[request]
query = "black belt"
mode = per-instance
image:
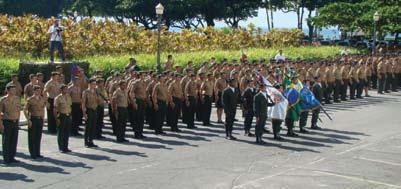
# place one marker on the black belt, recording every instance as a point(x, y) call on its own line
point(36, 117)
point(65, 114)
point(11, 120)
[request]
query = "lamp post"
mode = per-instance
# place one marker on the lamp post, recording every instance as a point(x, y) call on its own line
point(376, 18)
point(159, 13)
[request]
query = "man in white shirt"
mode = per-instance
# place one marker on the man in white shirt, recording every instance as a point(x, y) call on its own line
point(55, 41)
point(280, 56)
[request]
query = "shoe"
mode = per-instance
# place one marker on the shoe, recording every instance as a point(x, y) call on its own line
point(40, 156)
point(329, 103)
point(221, 122)
point(367, 95)
point(232, 138)
point(352, 98)
point(251, 135)
point(303, 131)
point(100, 137)
point(261, 142)
point(125, 140)
point(162, 133)
point(316, 128)
point(228, 138)
point(278, 137)
point(387, 91)
point(15, 161)
point(266, 130)
point(380, 93)
point(337, 101)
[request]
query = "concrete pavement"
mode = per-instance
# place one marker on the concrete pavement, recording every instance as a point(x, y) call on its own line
point(361, 148)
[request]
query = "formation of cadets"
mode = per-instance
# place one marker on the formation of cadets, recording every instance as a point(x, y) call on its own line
point(179, 93)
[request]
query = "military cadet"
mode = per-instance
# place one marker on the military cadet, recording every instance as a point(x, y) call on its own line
point(303, 117)
point(160, 100)
point(318, 93)
point(247, 106)
point(120, 111)
point(178, 97)
point(361, 78)
point(219, 85)
point(113, 85)
point(28, 89)
point(18, 88)
point(330, 79)
point(40, 78)
point(131, 98)
point(345, 81)
point(354, 80)
point(52, 90)
point(76, 97)
point(230, 101)
point(9, 118)
point(190, 95)
point(90, 100)
point(138, 91)
point(59, 69)
point(204, 68)
point(198, 83)
point(276, 121)
point(104, 98)
point(337, 83)
point(168, 66)
point(150, 110)
point(389, 76)
point(394, 80)
point(35, 112)
point(260, 104)
point(62, 112)
point(206, 99)
point(381, 75)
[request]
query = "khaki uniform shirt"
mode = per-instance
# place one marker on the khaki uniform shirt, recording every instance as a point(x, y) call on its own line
point(120, 98)
point(36, 106)
point(91, 99)
point(28, 90)
point(175, 89)
point(62, 103)
point(191, 89)
point(138, 88)
point(53, 88)
point(160, 93)
point(10, 107)
point(75, 93)
point(207, 88)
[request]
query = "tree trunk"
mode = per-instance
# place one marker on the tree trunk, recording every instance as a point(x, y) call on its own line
point(302, 18)
point(396, 37)
point(267, 19)
point(271, 15)
point(310, 26)
point(209, 21)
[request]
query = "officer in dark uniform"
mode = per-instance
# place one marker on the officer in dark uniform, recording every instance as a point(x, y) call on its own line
point(318, 93)
point(247, 106)
point(9, 117)
point(34, 113)
point(260, 104)
point(230, 101)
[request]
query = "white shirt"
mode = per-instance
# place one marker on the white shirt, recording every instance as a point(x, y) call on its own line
point(279, 57)
point(232, 88)
point(55, 36)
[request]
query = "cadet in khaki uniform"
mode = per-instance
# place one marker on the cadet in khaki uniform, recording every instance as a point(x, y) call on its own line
point(381, 76)
point(183, 83)
point(389, 76)
point(177, 95)
point(149, 108)
point(354, 80)
point(60, 70)
point(120, 111)
point(138, 90)
point(40, 80)
point(9, 118)
point(90, 100)
point(362, 79)
point(160, 100)
point(28, 89)
point(76, 97)
point(112, 87)
point(394, 83)
point(103, 100)
point(219, 85)
point(206, 91)
point(18, 88)
point(35, 112)
point(345, 79)
point(330, 79)
point(52, 89)
point(62, 112)
point(190, 95)
point(338, 81)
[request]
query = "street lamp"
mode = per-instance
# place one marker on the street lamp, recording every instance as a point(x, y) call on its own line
point(376, 18)
point(159, 13)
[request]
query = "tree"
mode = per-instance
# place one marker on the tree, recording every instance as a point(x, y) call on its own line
point(238, 10)
point(43, 8)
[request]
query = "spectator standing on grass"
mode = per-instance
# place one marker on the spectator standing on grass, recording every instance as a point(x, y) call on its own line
point(280, 56)
point(55, 32)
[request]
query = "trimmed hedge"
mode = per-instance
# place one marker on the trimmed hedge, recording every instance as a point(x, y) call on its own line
point(25, 69)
